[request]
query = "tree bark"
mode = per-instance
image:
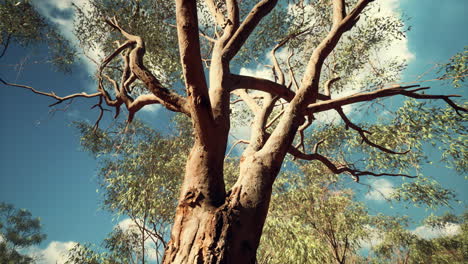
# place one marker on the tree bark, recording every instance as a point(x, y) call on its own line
point(230, 232)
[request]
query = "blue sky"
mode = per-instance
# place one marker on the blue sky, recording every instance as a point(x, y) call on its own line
point(43, 169)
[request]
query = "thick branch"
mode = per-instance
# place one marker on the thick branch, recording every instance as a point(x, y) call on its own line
point(192, 68)
point(341, 24)
point(170, 100)
point(215, 12)
point(339, 12)
point(238, 39)
point(259, 84)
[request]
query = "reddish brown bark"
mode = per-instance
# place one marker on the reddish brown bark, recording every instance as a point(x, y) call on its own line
point(212, 225)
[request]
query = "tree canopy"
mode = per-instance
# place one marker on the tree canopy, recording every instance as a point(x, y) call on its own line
point(187, 56)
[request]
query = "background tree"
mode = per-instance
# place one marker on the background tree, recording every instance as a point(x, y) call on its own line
point(23, 25)
point(212, 224)
point(312, 221)
point(399, 245)
point(18, 231)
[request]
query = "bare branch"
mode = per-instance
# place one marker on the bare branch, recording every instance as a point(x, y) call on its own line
point(291, 72)
point(258, 134)
point(381, 93)
point(276, 66)
point(101, 113)
point(274, 119)
point(254, 107)
point(338, 169)
point(363, 133)
point(339, 11)
point(52, 94)
point(301, 129)
point(234, 145)
point(310, 81)
point(5, 46)
point(328, 85)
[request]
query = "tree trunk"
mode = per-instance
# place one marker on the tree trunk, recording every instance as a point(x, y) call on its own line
point(229, 232)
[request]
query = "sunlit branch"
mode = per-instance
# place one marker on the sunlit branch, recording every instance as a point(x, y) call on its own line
point(291, 72)
point(264, 85)
point(170, 100)
point(248, 100)
point(240, 141)
point(301, 129)
point(254, 17)
point(215, 12)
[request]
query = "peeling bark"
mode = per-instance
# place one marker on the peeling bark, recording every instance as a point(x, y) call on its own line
point(229, 232)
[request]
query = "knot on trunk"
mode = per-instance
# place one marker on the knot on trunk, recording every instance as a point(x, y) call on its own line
point(192, 198)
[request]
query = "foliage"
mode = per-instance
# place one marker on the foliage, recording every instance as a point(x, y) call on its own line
point(140, 168)
point(424, 191)
point(312, 221)
point(18, 230)
point(152, 20)
point(412, 129)
point(22, 24)
point(120, 247)
point(456, 69)
point(399, 245)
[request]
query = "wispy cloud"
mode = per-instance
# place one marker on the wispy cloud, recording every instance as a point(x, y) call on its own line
point(129, 225)
point(381, 189)
point(428, 232)
point(374, 238)
point(55, 253)
point(49, 8)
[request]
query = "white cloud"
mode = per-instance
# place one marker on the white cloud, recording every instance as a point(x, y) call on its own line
point(259, 72)
point(373, 239)
point(66, 27)
point(381, 189)
point(398, 48)
point(129, 225)
point(54, 253)
point(428, 232)
point(152, 108)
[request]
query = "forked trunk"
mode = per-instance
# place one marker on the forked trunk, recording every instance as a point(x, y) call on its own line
point(227, 233)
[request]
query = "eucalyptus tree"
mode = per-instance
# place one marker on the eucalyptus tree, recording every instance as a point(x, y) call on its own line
point(400, 245)
point(313, 220)
point(157, 47)
point(18, 231)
